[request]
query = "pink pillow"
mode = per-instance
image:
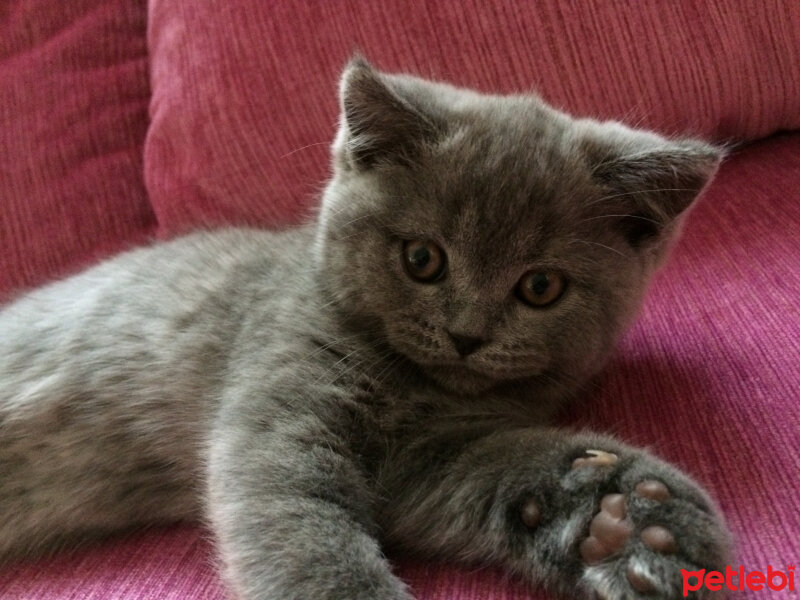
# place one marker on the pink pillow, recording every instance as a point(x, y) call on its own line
point(244, 104)
point(73, 116)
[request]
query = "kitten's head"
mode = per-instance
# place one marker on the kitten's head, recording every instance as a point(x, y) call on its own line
point(494, 238)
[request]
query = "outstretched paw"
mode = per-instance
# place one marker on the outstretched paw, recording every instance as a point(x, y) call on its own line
point(630, 524)
point(644, 532)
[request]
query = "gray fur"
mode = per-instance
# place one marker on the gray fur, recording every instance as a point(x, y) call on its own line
point(300, 391)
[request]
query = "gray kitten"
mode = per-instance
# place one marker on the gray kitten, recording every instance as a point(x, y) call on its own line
point(383, 374)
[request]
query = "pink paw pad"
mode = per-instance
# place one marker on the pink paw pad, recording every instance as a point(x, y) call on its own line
point(611, 529)
point(653, 490)
point(530, 513)
point(659, 539)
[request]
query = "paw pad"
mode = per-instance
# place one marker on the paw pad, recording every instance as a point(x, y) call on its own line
point(653, 490)
point(659, 539)
point(530, 513)
point(609, 531)
point(645, 529)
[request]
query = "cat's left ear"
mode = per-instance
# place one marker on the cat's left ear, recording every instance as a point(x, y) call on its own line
point(651, 184)
point(380, 122)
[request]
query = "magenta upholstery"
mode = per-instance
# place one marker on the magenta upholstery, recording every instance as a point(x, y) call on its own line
point(241, 115)
point(74, 95)
point(223, 70)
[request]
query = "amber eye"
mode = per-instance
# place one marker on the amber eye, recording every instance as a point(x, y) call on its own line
point(541, 288)
point(424, 260)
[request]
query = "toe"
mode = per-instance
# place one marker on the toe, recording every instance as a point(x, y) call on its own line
point(659, 539)
point(653, 490)
point(593, 551)
point(614, 504)
point(612, 533)
point(609, 530)
point(531, 515)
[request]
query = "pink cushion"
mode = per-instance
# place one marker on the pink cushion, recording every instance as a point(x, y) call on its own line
point(73, 116)
point(243, 112)
point(708, 378)
point(244, 101)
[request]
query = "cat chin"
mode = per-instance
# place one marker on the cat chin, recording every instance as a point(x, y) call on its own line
point(462, 380)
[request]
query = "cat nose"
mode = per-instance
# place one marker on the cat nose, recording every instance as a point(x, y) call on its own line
point(465, 344)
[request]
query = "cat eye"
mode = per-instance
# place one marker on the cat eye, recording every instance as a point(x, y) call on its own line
point(541, 288)
point(424, 260)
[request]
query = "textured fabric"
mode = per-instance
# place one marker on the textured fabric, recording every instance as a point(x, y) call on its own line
point(173, 564)
point(73, 116)
point(244, 101)
point(243, 112)
point(708, 377)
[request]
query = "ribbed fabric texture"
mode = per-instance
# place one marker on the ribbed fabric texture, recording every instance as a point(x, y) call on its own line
point(244, 91)
point(73, 116)
point(174, 564)
point(242, 113)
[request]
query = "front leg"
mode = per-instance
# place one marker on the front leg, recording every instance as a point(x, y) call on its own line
point(580, 514)
point(290, 502)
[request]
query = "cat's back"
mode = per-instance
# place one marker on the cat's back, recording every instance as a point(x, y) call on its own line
point(167, 276)
point(172, 306)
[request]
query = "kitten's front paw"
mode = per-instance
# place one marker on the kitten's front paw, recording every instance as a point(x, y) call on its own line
point(635, 524)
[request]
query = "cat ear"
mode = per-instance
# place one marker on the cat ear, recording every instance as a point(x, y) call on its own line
point(652, 185)
point(379, 124)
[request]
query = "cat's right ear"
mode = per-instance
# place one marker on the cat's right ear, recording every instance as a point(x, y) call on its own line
point(378, 123)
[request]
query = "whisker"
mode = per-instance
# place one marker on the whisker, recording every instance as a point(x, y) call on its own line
point(633, 192)
point(303, 148)
point(622, 254)
point(620, 216)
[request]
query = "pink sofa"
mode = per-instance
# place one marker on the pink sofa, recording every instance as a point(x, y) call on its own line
point(122, 121)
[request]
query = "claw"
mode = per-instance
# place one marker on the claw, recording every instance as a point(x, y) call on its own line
point(596, 458)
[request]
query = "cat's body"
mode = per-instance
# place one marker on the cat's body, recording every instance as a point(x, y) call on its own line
point(384, 374)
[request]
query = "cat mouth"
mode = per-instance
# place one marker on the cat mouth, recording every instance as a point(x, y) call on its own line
point(464, 379)
point(474, 367)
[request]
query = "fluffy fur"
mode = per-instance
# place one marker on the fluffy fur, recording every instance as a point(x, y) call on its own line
point(304, 394)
